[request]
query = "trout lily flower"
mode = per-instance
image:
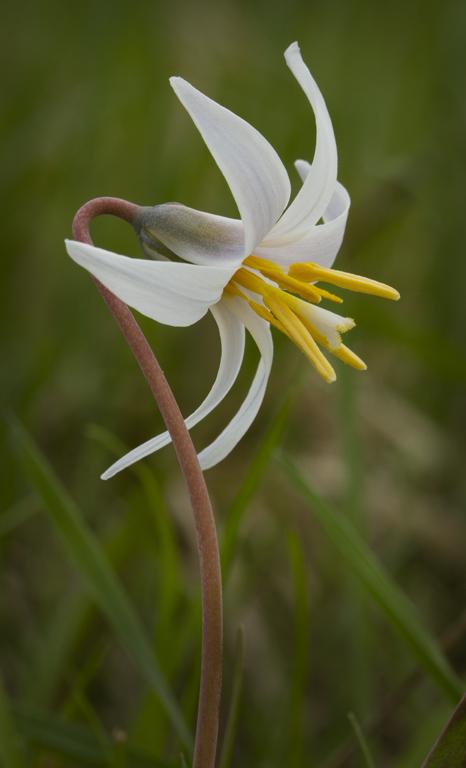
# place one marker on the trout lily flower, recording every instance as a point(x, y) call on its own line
point(261, 270)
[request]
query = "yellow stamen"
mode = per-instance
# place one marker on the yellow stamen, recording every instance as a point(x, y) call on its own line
point(250, 281)
point(279, 276)
point(284, 310)
point(267, 315)
point(254, 283)
point(343, 352)
point(232, 290)
point(327, 295)
point(255, 262)
point(259, 309)
point(299, 334)
point(308, 292)
point(356, 283)
point(296, 305)
point(347, 356)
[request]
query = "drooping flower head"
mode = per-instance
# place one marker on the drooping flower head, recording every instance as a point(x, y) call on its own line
point(263, 269)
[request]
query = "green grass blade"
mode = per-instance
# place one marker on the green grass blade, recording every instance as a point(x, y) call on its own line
point(362, 564)
point(449, 751)
point(10, 747)
point(15, 516)
point(230, 730)
point(358, 628)
point(300, 655)
point(148, 502)
point(85, 711)
point(51, 655)
point(250, 483)
point(365, 751)
point(76, 742)
point(83, 548)
point(419, 741)
point(163, 534)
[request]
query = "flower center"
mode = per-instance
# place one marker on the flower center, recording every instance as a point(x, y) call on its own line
point(288, 300)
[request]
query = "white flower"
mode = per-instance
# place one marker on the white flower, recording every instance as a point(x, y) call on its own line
point(249, 273)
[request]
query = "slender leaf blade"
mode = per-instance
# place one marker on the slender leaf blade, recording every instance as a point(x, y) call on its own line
point(361, 739)
point(75, 741)
point(449, 751)
point(363, 565)
point(300, 657)
point(10, 747)
point(251, 482)
point(233, 714)
point(83, 549)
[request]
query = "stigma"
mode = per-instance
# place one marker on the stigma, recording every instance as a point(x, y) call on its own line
point(289, 300)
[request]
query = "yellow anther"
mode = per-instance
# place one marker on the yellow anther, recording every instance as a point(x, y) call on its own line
point(256, 262)
point(232, 290)
point(273, 271)
point(267, 315)
point(347, 356)
point(300, 335)
point(327, 295)
point(280, 277)
point(250, 281)
point(285, 311)
point(344, 353)
point(307, 292)
point(254, 283)
point(317, 335)
point(356, 283)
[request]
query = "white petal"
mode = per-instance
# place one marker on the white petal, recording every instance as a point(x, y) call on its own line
point(195, 236)
point(303, 167)
point(171, 293)
point(312, 199)
point(239, 425)
point(319, 243)
point(254, 172)
point(328, 323)
point(231, 331)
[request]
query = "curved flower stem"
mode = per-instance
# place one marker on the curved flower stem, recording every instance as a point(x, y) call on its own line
point(211, 584)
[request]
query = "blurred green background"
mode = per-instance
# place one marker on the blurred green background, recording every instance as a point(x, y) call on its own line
point(87, 110)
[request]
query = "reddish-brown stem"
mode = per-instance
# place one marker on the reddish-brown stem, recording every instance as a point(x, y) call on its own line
point(211, 584)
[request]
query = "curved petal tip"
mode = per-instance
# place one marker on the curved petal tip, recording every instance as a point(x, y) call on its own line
point(254, 172)
point(292, 49)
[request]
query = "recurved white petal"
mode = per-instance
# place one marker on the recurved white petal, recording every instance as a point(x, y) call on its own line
point(321, 242)
point(312, 199)
point(254, 172)
point(169, 292)
point(195, 236)
point(239, 425)
point(231, 331)
point(303, 167)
